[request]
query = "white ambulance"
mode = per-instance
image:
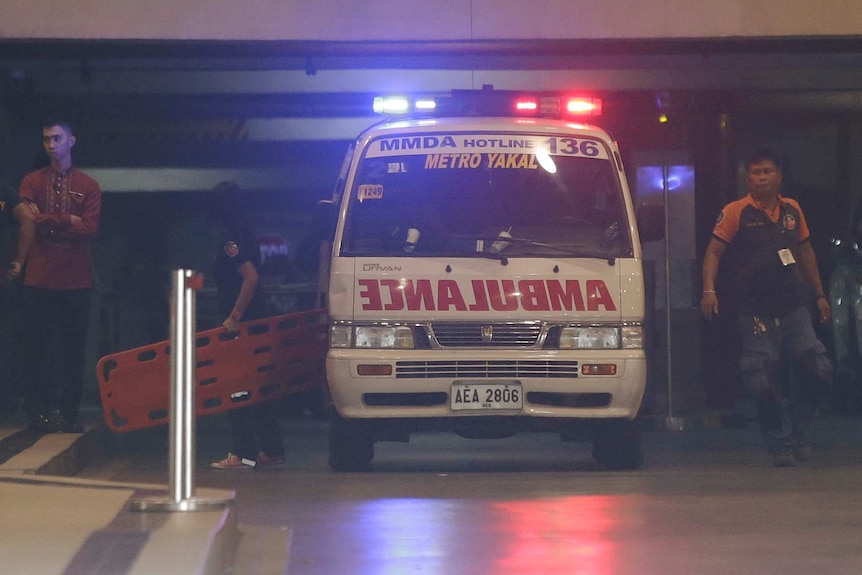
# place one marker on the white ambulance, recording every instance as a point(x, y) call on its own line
point(485, 278)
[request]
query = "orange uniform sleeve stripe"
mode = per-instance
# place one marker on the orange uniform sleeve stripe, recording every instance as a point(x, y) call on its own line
point(804, 232)
point(728, 222)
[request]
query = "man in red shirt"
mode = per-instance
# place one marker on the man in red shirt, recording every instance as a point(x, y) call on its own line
point(774, 279)
point(58, 279)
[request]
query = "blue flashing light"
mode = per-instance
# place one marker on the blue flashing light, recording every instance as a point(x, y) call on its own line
point(425, 104)
point(391, 105)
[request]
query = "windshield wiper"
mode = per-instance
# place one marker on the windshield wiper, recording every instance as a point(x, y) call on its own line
point(489, 240)
point(611, 259)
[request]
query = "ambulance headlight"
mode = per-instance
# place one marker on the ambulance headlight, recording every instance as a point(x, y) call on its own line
point(340, 336)
point(590, 337)
point(384, 337)
point(633, 336)
point(371, 337)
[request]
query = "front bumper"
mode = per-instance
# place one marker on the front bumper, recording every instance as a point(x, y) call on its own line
point(420, 383)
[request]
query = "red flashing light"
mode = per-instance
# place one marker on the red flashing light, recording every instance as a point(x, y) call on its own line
point(584, 106)
point(526, 105)
point(554, 106)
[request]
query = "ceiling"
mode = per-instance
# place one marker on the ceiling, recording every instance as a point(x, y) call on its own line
point(151, 102)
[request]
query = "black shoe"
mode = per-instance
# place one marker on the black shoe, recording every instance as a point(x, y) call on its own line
point(783, 457)
point(67, 426)
point(70, 427)
point(801, 449)
point(43, 424)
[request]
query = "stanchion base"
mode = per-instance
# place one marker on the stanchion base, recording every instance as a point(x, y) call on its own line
point(674, 424)
point(192, 504)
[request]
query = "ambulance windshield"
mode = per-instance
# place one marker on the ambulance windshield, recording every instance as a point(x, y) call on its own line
point(408, 202)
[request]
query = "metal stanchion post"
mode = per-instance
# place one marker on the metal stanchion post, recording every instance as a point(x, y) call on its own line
point(182, 417)
point(671, 422)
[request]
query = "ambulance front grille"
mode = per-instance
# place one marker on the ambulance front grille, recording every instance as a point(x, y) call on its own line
point(486, 369)
point(486, 335)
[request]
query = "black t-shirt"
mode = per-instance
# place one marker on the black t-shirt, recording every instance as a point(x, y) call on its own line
point(760, 283)
point(235, 247)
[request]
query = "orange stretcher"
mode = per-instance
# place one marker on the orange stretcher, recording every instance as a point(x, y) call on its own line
point(269, 358)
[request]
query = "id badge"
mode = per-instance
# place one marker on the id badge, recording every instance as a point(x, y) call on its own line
point(786, 257)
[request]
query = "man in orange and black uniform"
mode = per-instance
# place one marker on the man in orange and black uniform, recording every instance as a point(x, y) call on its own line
point(772, 262)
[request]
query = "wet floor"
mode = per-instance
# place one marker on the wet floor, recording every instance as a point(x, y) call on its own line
point(706, 502)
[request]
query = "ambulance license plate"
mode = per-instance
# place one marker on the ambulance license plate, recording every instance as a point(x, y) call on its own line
point(486, 396)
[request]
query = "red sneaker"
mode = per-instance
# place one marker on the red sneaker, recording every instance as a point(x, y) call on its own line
point(233, 462)
point(264, 460)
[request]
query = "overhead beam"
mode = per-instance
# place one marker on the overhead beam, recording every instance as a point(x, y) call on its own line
point(397, 20)
point(285, 54)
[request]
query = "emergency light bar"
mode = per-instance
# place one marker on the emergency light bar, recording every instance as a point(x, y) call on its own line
point(489, 102)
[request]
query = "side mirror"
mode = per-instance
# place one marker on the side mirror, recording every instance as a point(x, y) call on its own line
point(650, 219)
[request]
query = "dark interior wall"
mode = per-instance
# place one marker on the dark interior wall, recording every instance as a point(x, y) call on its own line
point(810, 147)
point(145, 235)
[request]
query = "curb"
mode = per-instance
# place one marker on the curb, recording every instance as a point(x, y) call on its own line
point(43, 467)
point(57, 454)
